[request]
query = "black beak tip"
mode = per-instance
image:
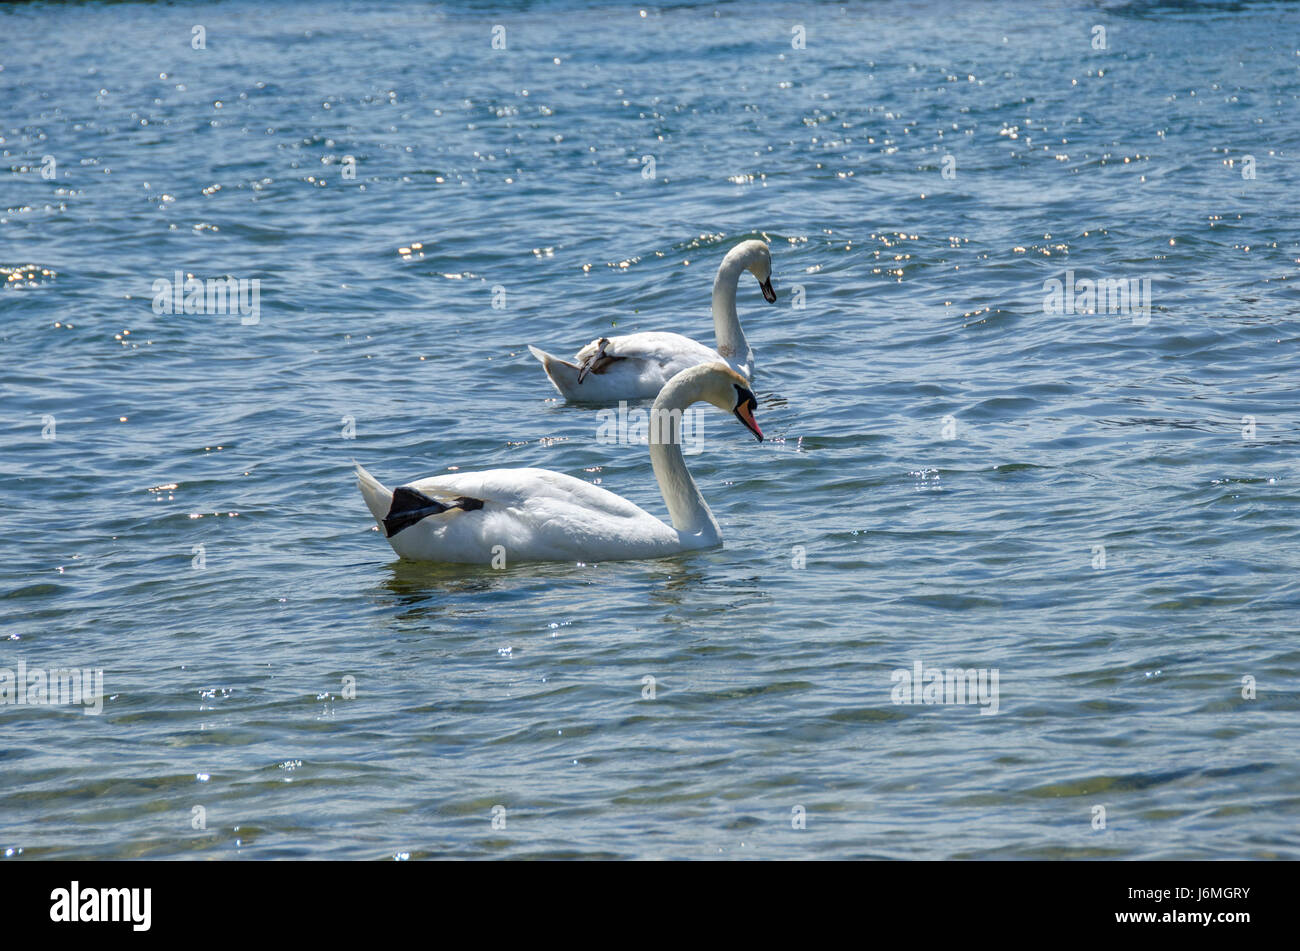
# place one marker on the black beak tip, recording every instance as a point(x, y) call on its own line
point(769, 295)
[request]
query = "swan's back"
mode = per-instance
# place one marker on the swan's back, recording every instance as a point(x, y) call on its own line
point(527, 515)
point(627, 367)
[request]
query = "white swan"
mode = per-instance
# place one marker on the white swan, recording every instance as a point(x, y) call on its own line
point(636, 366)
point(539, 515)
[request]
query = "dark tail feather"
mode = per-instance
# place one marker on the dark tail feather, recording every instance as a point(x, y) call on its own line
point(410, 506)
point(598, 361)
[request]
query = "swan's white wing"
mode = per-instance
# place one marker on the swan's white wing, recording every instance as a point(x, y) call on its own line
point(627, 367)
point(517, 487)
point(530, 515)
point(653, 347)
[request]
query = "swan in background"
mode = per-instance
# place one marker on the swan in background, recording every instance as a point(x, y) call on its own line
point(540, 515)
point(636, 366)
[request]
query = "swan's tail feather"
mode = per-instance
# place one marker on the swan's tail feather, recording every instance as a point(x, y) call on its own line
point(410, 506)
point(564, 376)
point(378, 498)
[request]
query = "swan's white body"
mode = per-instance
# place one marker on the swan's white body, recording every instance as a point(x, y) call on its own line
point(637, 366)
point(540, 515)
point(646, 361)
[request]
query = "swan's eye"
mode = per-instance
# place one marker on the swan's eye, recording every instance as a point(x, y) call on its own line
point(742, 396)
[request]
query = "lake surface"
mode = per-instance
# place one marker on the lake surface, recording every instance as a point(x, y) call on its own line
point(1098, 508)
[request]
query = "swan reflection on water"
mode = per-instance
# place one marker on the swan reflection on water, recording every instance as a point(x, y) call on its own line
point(425, 591)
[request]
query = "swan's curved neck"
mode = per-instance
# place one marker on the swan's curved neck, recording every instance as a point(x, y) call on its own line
point(726, 323)
point(687, 509)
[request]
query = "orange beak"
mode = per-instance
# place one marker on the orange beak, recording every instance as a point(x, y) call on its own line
point(745, 413)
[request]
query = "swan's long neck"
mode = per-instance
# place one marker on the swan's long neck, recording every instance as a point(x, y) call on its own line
point(726, 323)
point(687, 509)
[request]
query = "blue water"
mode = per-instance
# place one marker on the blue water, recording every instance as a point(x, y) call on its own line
point(950, 459)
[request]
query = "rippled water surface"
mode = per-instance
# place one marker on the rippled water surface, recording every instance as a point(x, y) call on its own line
point(1101, 508)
